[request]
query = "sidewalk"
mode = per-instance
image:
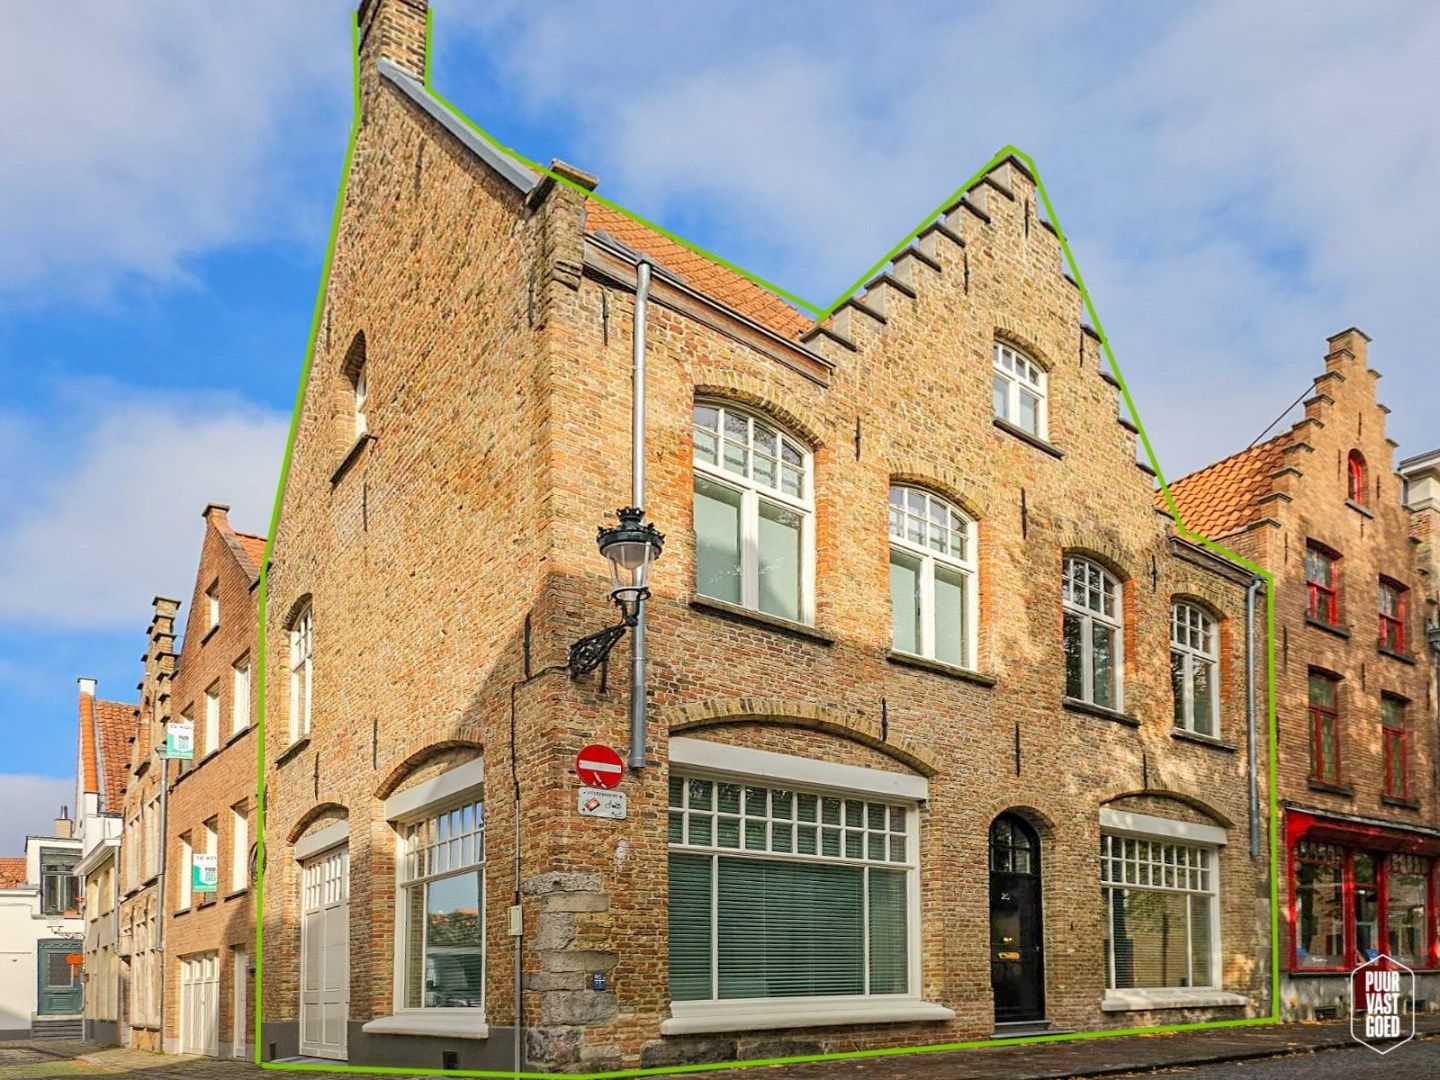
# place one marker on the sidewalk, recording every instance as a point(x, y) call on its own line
point(1045, 1061)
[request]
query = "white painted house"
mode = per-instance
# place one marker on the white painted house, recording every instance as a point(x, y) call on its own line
point(41, 938)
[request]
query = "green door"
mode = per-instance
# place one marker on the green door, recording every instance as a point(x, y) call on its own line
point(61, 992)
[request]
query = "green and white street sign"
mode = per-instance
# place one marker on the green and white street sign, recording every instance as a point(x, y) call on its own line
point(204, 872)
point(180, 740)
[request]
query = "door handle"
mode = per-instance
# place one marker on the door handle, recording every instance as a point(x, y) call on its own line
point(1008, 955)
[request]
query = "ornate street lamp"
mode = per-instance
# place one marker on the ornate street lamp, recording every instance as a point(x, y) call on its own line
point(630, 548)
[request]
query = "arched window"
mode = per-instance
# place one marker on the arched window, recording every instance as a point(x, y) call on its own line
point(354, 393)
point(1094, 645)
point(1194, 668)
point(932, 577)
point(1018, 386)
point(302, 648)
point(1356, 488)
point(754, 513)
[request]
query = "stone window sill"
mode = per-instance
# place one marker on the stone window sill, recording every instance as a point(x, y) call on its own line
point(1089, 709)
point(1025, 436)
point(233, 893)
point(1401, 801)
point(210, 633)
point(351, 456)
point(700, 1017)
point(292, 751)
point(1396, 654)
point(1358, 508)
point(1205, 740)
point(939, 667)
point(1183, 998)
point(1338, 631)
point(449, 1023)
point(759, 618)
point(1333, 788)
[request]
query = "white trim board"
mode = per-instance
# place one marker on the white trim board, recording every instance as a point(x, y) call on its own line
point(1148, 825)
point(316, 842)
point(768, 765)
point(448, 784)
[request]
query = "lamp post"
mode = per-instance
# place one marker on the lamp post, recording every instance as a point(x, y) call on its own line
point(630, 548)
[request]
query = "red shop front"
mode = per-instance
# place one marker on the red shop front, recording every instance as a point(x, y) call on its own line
point(1358, 889)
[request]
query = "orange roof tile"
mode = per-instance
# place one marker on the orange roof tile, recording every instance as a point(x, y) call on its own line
point(254, 548)
point(12, 871)
point(700, 272)
point(1224, 497)
point(115, 721)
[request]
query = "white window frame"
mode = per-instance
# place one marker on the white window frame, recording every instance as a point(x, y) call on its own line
point(239, 846)
point(212, 607)
point(302, 673)
point(240, 695)
point(751, 492)
point(1023, 373)
point(212, 718)
point(1182, 642)
point(697, 758)
point(360, 394)
point(1157, 830)
point(454, 788)
point(929, 558)
point(1089, 616)
point(187, 872)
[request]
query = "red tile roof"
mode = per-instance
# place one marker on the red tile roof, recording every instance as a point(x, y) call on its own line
point(115, 721)
point(12, 871)
point(1224, 497)
point(700, 272)
point(254, 548)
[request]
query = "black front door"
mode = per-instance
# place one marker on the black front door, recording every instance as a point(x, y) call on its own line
point(1017, 957)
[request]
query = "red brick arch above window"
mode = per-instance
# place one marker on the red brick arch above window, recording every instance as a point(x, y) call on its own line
point(1163, 795)
point(912, 753)
point(944, 482)
point(1009, 331)
point(448, 754)
point(756, 396)
point(327, 813)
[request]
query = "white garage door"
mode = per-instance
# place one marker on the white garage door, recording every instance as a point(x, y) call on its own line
point(325, 954)
point(200, 1004)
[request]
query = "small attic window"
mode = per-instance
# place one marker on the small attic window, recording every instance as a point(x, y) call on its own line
point(1356, 471)
point(354, 393)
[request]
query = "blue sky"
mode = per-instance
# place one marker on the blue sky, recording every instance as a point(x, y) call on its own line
point(1237, 180)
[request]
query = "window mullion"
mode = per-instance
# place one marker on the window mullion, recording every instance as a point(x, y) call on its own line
point(865, 930)
point(1187, 691)
point(1087, 658)
point(714, 928)
point(750, 547)
point(927, 606)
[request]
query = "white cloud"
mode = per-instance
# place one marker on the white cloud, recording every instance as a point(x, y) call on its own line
point(29, 805)
point(134, 135)
point(1239, 180)
point(112, 517)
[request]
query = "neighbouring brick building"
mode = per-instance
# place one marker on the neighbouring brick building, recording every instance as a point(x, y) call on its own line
point(947, 728)
point(142, 864)
point(210, 933)
point(102, 763)
point(1320, 506)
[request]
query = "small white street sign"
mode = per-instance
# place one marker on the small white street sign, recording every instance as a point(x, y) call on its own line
point(597, 802)
point(180, 740)
point(204, 873)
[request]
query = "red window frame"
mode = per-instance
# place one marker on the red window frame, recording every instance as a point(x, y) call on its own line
point(1356, 471)
point(1319, 714)
point(1323, 593)
point(1392, 627)
point(1350, 957)
point(1394, 741)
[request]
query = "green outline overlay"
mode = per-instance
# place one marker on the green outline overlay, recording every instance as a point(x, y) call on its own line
point(819, 314)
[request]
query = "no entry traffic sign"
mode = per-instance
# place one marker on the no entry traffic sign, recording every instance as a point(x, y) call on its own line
point(599, 766)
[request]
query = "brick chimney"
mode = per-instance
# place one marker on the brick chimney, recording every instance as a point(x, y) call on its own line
point(216, 514)
point(393, 30)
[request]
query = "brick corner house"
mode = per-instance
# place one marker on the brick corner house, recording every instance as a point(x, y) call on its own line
point(948, 731)
point(1320, 505)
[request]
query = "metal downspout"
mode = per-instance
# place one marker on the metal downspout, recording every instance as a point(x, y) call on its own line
point(1252, 749)
point(637, 498)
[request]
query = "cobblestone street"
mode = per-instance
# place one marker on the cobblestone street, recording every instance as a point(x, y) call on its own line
point(1264, 1053)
